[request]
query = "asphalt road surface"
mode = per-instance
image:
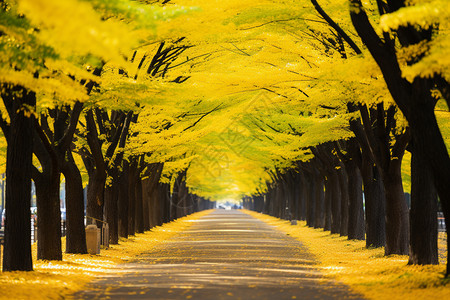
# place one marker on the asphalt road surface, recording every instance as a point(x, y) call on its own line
point(225, 255)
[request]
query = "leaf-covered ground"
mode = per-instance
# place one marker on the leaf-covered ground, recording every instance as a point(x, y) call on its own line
point(368, 271)
point(58, 279)
point(225, 255)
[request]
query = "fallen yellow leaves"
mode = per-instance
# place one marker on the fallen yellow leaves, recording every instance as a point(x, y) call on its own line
point(58, 279)
point(366, 271)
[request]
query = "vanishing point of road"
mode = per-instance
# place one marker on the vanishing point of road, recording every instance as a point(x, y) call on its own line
point(226, 254)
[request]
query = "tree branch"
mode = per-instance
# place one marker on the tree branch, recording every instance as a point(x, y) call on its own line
point(94, 143)
point(336, 27)
point(66, 140)
point(204, 115)
point(384, 55)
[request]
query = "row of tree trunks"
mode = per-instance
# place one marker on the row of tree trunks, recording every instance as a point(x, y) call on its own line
point(134, 205)
point(53, 145)
point(343, 209)
point(333, 194)
point(333, 198)
point(383, 189)
point(417, 102)
point(133, 202)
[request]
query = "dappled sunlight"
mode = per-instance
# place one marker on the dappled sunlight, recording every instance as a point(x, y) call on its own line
point(131, 113)
point(213, 258)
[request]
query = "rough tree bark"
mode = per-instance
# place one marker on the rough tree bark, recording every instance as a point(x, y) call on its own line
point(19, 135)
point(379, 128)
point(139, 206)
point(332, 188)
point(47, 182)
point(132, 174)
point(300, 192)
point(343, 183)
point(123, 201)
point(112, 210)
point(65, 124)
point(75, 233)
point(423, 212)
point(309, 186)
point(375, 197)
point(319, 197)
point(375, 204)
point(356, 228)
point(327, 200)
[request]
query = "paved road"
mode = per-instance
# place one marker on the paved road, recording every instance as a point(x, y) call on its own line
point(224, 255)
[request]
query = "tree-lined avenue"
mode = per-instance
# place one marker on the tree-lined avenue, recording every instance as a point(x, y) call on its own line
point(226, 254)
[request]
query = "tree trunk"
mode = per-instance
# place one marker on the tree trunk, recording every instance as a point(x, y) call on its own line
point(131, 199)
point(75, 233)
point(159, 193)
point(139, 206)
point(95, 194)
point(273, 200)
point(49, 215)
point(146, 204)
point(375, 199)
point(17, 248)
point(178, 201)
point(397, 222)
point(259, 203)
point(319, 195)
point(343, 183)
point(277, 201)
point(291, 199)
point(328, 199)
point(152, 194)
point(164, 201)
point(335, 203)
point(173, 200)
point(112, 212)
point(423, 214)
point(196, 203)
point(414, 99)
point(47, 182)
point(184, 203)
point(267, 202)
point(123, 202)
point(428, 143)
point(301, 195)
point(355, 212)
point(284, 198)
point(310, 193)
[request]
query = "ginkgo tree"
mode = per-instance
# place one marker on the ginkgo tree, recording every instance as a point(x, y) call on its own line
point(273, 99)
point(45, 58)
point(240, 50)
point(420, 31)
